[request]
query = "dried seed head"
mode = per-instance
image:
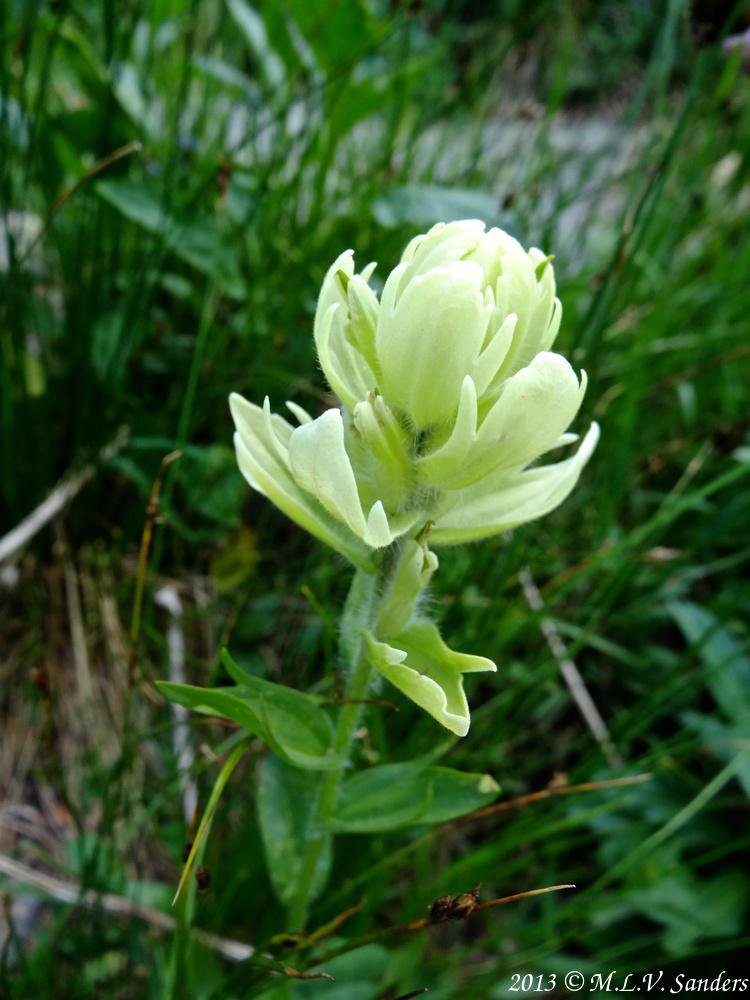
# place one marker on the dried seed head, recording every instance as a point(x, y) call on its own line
point(441, 909)
point(464, 904)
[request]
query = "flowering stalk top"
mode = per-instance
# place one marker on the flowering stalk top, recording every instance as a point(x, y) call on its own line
point(449, 393)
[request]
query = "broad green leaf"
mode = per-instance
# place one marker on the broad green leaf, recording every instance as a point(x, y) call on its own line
point(382, 798)
point(723, 739)
point(128, 90)
point(254, 32)
point(357, 974)
point(208, 477)
point(336, 32)
point(286, 800)
point(227, 75)
point(425, 204)
point(200, 243)
point(727, 665)
point(225, 703)
point(289, 722)
point(398, 795)
point(136, 202)
point(300, 729)
point(455, 793)
point(358, 100)
point(691, 910)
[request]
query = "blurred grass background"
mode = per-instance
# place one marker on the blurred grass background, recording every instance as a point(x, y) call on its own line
point(252, 143)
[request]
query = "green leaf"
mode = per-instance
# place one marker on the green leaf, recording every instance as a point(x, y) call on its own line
point(225, 703)
point(425, 204)
point(229, 76)
point(455, 793)
point(382, 798)
point(286, 804)
point(692, 911)
point(208, 477)
point(358, 975)
point(723, 739)
point(254, 32)
point(398, 795)
point(289, 722)
point(199, 243)
point(300, 729)
point(337, 33)
point(727, 665)
point(136, 202)
point(128, 89)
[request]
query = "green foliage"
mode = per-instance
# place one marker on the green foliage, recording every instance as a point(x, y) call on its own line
point(396, 795)
point(286, 800)
point(288, 721)
point(727, 677)
point(141, 291)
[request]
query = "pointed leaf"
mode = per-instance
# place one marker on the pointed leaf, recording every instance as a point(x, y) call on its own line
point(291, 723)
point(208, 814)
point(399, 795)
point(726, 664)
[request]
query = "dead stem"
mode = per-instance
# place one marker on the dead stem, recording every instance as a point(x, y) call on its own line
point(101, 165)
point(413, 926)
point(333, 925)
point(570, 672)
point(498, 807)
point(544, 793)
point(57, 500)
point(152, 513)
point(72, 894)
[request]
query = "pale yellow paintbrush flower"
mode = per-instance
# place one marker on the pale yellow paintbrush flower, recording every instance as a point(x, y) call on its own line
point(449, 393)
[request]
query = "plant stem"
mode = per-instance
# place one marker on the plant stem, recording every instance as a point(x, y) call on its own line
point(359, 614)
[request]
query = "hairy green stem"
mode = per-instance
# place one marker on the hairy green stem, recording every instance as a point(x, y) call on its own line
point(359, 614)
